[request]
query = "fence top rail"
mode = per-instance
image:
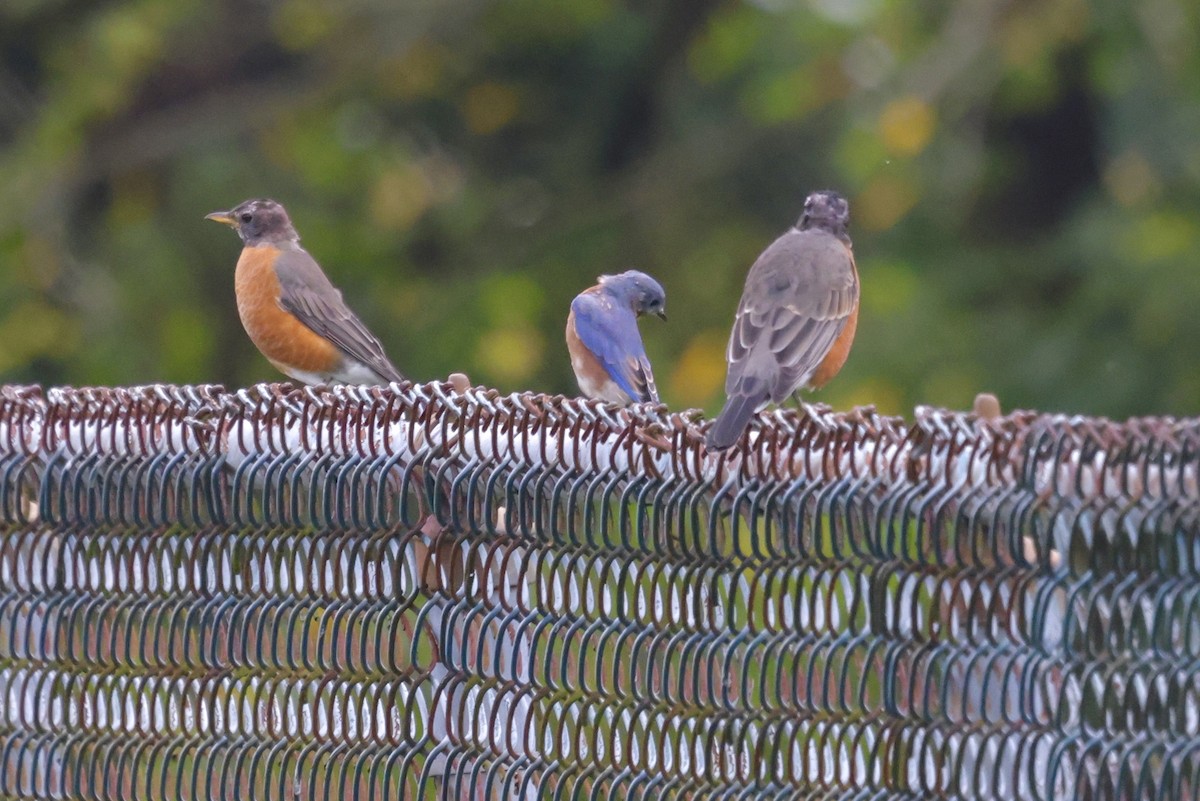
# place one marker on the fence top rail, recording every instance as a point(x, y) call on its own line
point(1066, 454)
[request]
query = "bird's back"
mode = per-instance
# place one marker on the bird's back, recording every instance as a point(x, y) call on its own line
point(801, 297)
point(803, 281)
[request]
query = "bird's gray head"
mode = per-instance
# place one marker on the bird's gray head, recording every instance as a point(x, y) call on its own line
point(640, 291)
point(826, 211)
point(257, 221)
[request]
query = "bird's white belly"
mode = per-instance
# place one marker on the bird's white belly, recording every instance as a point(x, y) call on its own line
point(607, 390)
point(305, 377)
point(348, 372)
point(352, 372)
point(604, 389)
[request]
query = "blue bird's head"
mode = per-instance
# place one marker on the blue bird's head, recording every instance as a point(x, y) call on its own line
point(643, 294)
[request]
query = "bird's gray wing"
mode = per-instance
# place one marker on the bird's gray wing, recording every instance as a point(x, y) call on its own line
point(307, 293)
point(799, 296)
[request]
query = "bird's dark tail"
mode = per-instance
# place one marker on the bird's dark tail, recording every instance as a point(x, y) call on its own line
point(732, 420)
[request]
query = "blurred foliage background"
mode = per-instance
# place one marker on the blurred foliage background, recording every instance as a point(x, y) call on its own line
point(1024, 180)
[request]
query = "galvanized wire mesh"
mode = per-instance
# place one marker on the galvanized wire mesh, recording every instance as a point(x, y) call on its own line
point(364, 593)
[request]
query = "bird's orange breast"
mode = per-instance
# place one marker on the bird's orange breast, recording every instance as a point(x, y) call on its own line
point(833, 361)
point(282, 338)
point(593, 379)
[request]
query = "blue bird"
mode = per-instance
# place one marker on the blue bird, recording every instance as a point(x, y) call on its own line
point(602, 335)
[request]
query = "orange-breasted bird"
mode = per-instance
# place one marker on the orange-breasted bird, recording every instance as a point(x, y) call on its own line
point(796, 319)
point(291, 311)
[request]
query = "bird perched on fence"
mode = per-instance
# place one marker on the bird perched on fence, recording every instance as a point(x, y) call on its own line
point(796, 319)
point(291, 311)
point(602, 335)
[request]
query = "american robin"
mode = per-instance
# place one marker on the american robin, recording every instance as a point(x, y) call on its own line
point(796, 319)
point(602, 335)
point(291, 311)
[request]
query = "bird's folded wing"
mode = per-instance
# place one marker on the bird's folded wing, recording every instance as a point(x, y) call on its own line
point(612, 335)
point(792, 314)
point(306, 293)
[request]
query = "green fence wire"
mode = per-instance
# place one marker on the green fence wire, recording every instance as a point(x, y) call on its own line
point(411, 593)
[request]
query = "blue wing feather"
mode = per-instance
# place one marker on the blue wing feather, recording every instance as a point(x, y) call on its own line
point(611, 333)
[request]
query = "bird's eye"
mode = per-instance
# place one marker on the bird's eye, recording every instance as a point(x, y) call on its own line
point(247, 216)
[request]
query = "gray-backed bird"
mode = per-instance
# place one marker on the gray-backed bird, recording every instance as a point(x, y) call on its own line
point(796, 319)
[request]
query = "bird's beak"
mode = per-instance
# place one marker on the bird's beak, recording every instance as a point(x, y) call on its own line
point(661, 314)
point(221, 217)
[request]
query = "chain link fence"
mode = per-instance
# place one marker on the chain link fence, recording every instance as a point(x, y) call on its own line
point(368, 593)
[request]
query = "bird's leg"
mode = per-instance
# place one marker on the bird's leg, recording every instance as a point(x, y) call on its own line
point(801, 406)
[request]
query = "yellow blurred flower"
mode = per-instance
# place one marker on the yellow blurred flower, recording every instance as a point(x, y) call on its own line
point(700, 371)
point(906, 125)
point(510, 355)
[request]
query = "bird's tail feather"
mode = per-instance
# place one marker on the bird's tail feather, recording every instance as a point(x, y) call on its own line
point(732, 420)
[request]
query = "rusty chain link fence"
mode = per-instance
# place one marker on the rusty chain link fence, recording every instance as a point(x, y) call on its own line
point(372, 593)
